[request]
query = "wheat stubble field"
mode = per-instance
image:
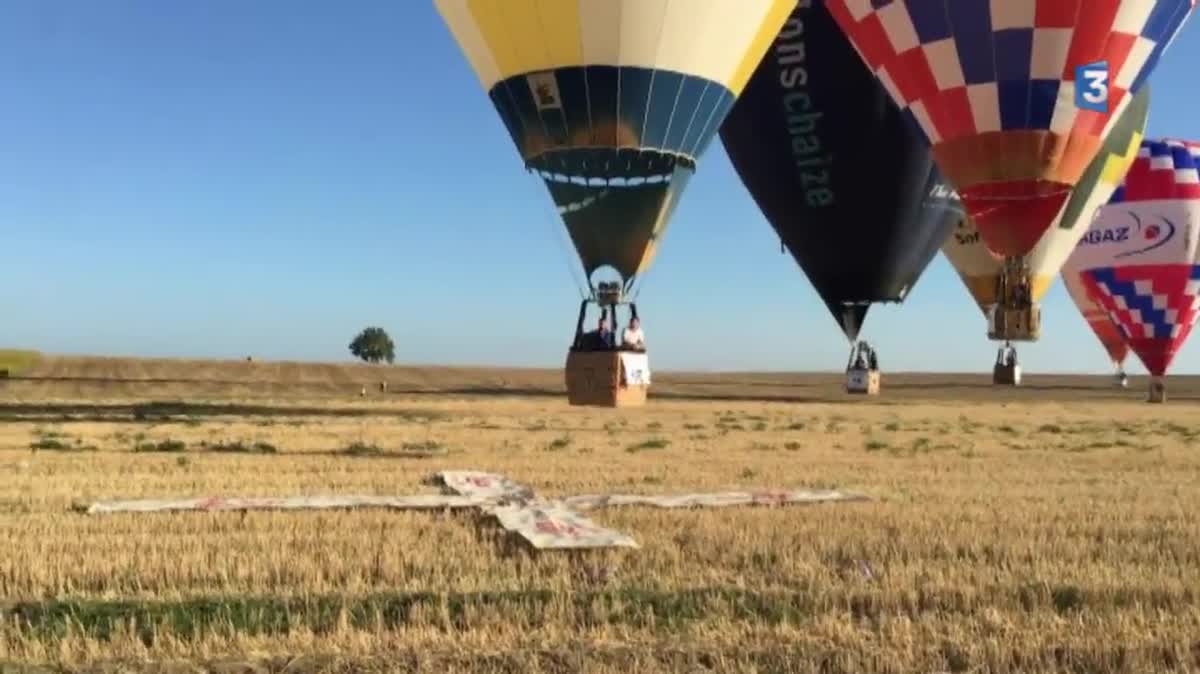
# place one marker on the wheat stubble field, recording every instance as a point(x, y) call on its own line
point(1048, 529)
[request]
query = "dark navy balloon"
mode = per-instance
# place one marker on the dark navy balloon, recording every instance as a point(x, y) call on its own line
point(843, 176)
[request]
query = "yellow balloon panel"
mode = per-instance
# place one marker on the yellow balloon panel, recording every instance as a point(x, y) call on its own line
point(718, 40)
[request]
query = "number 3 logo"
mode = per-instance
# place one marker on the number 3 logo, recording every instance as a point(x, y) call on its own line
point(1091, 86)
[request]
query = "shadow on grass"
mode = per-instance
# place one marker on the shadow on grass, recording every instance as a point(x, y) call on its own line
point(658, 609)
point(181, 411)
point(802, 388)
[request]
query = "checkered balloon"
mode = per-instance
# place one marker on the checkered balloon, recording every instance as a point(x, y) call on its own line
point(1110, 335)
point(1154, 307)
point(1139, 260)
point(1163, 169)
point(995, 86)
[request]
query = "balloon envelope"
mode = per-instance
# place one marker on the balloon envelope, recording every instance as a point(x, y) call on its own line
point(993, 83)
point(612, 102)
point(838, 170)
point(1097, 319)
point(980, 269)
point(1138, 261)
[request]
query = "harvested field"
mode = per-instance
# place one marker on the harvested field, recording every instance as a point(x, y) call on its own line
point(1050, 528)
point(14, 362)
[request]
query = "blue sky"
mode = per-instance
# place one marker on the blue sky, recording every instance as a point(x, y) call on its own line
point(228, 178)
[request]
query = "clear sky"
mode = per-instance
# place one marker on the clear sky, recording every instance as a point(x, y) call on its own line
point(226, 178)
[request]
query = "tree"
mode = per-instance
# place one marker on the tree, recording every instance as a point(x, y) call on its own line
point(373, 345)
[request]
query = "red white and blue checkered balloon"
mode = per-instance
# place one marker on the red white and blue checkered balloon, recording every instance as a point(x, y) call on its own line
point(1015, 96)
point(1139, 260)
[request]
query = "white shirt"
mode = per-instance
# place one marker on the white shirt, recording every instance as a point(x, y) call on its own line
point(633, 337)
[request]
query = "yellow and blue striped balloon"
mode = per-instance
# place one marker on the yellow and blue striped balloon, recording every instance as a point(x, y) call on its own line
point(613, 102)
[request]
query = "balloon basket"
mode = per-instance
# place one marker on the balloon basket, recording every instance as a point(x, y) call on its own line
point(1006, 375)
point(862, 381)
point(1158, 390)
point(1015, 324)
point(1016, 317)
point(607, 378)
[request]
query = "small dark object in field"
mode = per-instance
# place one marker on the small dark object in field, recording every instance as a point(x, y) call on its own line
point(162, 446)
point(239, 447)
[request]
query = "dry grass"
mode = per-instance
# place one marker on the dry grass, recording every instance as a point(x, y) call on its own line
point(1006, 537)
point(17, 361)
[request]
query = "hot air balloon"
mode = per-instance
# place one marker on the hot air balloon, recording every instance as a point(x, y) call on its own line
point(1016, 98)
point(1139, 260)
point(1097, 319)
point(840, 173)
point(611, 103)
point(981, 270)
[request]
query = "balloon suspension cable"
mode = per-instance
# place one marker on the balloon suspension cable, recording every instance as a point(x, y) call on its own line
point(862, 356)
point(635, 289)
point(557, 233)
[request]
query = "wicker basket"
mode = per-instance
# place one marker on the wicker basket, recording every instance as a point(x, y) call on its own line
point(1006, 375)
point(863, 382)
point(594, 378)
point(1158, 390)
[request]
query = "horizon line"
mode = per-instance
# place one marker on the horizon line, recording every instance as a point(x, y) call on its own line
point(479, 366)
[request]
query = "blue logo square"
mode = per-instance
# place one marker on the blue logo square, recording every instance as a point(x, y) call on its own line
point(1091, 86)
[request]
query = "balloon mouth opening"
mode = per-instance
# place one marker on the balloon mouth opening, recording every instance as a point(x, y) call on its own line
point(584, 177)
point(608, 293)
point(584, 180)
point(1012, 216)
point(608, 167)
point(606, 280)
